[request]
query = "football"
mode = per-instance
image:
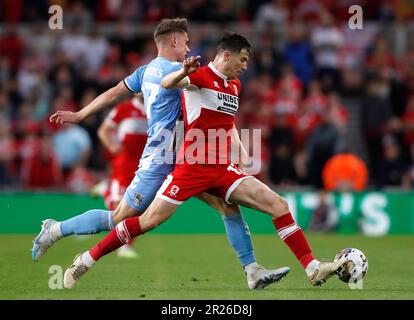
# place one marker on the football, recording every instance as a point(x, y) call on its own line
point(356, 265)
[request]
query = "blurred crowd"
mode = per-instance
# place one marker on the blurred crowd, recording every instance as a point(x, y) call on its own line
point(327, 98)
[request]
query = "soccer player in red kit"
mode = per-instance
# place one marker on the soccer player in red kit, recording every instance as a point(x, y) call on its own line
point(124, 134)
point(210, 103)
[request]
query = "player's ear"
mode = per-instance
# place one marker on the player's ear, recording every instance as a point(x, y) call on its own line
point(173, 40)
point(226, 55)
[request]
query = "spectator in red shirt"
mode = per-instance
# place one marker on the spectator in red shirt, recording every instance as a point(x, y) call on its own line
point(41, 169)
point(11, 47)
point(408, 122)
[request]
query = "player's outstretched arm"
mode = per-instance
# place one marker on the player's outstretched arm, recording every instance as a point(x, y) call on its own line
point(104, 100)
point(177, 79)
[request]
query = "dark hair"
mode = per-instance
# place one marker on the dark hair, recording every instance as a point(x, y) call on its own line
point(168, 26)
point(233, 42)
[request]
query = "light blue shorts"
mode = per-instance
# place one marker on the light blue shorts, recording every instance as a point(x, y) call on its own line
point(143, 188)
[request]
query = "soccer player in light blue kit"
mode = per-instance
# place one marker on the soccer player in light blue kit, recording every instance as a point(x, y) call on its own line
point(163, 107)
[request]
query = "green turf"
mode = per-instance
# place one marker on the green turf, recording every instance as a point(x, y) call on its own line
point(203, 267)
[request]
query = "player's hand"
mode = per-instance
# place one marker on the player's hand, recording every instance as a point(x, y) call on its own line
point(191, 64)
point(61, 117)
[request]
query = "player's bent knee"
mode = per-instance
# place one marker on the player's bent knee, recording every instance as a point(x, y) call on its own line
point(122, 212)
point(150, 221)
point(229, 209)
point(280, 207)
point(273, 204)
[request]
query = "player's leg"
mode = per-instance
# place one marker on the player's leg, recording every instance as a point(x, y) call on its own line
point(176, 189)
point(158, 212)
point(238, 234)
point(254, 194)
point(90, 222)
point(112, 198)
point(137, 198)
point(96, 220)
point(236, 228)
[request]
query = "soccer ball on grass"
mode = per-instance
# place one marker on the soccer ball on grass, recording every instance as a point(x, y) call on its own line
point(356, 265)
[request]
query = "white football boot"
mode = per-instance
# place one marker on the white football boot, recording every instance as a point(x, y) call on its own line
point(259, 278)
point(74, 272)
point(126, 251)
point(324, 271)
point(48, 235)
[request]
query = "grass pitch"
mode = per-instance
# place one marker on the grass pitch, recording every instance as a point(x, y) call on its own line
point(202, 267)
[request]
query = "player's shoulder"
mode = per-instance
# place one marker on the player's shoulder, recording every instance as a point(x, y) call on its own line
point(165, 64)
point(159, 67)
point(141, 69)
point(206, 70)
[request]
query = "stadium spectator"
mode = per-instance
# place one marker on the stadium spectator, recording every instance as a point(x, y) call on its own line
point(281, 166)
point(327, 41)
point(338, 112)
point(375, 117)
point(297, 52)
point(5, 107)
point(303, 122)
point(40, 169)
point(74, 44)
point(345, 172)
point(11, 47)
point(324, 142)
point(42, 68)
point(381, 56)
point(408, 175)
point(308, 10)
point(6, 154)
point(94, 57)
point(408, 122)
point(392, 163)
point(77, 14)
point(323, 217)
point(273, 13)
point(80, 179)
point(72, 145)
point(316, 101)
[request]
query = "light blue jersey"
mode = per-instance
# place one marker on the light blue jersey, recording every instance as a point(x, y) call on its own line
point(163, 107)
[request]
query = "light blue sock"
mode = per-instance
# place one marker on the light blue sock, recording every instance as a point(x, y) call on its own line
point(239, 236)
point(92, 221)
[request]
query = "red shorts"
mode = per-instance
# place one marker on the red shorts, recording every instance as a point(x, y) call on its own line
point(114, 193)
point(189, 180)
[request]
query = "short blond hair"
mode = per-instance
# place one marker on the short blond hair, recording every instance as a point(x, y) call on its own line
point(168, 26)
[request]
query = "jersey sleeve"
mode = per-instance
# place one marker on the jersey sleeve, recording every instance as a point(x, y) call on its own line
point(134, 80)
point(197, 78)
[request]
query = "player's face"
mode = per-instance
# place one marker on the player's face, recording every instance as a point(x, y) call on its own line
point(237, 63)
point(182, 46)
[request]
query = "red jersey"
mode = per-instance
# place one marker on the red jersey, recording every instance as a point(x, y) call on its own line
point(209, 104)
point(130, 122)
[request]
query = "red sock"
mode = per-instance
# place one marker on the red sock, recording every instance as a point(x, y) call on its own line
point(293, 236)
point(131, 242)
point(120, 235)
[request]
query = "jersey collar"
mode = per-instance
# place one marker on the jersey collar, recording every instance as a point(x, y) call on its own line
point(218, 73)
point(212, 67)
